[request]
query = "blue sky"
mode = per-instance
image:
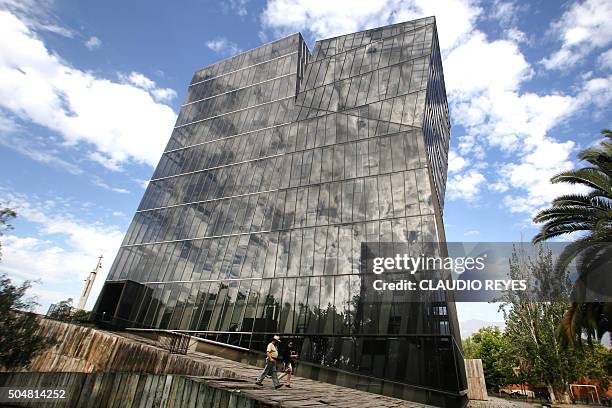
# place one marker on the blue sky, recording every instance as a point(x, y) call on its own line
point(89, 93)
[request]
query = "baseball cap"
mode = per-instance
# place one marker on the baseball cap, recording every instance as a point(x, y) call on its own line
point(277, 338)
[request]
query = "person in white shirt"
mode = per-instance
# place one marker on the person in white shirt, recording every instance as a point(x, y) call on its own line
point(270, 368)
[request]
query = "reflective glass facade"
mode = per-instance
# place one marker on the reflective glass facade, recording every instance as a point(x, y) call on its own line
point(280, 165)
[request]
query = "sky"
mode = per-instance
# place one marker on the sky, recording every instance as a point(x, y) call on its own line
point(90, 91)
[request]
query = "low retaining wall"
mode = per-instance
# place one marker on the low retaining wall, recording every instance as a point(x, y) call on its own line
point(128, 390)
point(88, 350)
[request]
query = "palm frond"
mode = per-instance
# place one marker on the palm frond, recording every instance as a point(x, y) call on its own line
point(588, 176)
point(572, 199)
point(590, 213)
point(549, 232)
point(598, 156)
point(567, 214)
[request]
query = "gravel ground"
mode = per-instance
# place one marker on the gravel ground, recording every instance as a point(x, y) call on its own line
point(494, 402)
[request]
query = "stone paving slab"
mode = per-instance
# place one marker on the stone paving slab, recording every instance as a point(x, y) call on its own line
point(240, 378)
point(309, 393)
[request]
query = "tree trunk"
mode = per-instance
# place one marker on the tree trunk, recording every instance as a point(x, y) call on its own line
point(551, 393)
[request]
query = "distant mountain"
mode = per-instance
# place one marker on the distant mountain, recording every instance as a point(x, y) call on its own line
point(469, 327)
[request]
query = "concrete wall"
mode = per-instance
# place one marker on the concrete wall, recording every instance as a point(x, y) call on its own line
point(129, 390)
point(88, 350)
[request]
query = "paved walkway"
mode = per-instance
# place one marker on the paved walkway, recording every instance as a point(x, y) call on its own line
point(240, 378)
point(309, 393)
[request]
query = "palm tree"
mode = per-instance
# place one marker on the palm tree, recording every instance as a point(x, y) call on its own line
point(589, 215)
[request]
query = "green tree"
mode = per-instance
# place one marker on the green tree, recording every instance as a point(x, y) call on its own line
point(6, 214)
point(65, 312)
point(469, 348)
point(20, 338)
point(532, 318)
point(596, 364)
point(590, 216)
point(81, 316)
point(62, 310)
point(491, 346)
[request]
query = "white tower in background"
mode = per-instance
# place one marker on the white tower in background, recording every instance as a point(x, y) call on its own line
point(88, 285)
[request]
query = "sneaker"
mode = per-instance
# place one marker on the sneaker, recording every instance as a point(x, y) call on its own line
point(288, 385)
point(258, 383)
point(276, 387)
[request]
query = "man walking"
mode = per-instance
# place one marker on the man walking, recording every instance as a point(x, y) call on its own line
point(270, 368)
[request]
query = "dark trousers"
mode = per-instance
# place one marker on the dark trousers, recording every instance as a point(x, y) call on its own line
point(270, 369)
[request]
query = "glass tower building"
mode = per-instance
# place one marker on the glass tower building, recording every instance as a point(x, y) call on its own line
point(281, 164)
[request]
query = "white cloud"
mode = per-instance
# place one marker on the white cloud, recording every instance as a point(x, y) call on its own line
point(496, 114)
point(533, 174)
point(605, 59)
point(455, 162)
point(141, 81)
point(516, 35)
point(471, 233)
point(109, 163)
point(8, 125)
point(37, 15)
point(223, 46)
point(484, 81)
point(324, 19)
point(62, 251)
point(163, 94)
point(55, 29)
point(100, 183)
point(93, 42)
point(506, 12)
point(19, 261)
point(142, 183)
point(144, 82)
point(465, 186)
point(596, 91)
point(79, 234)
point(478, 65)
point(121, 121)
point(584, 27)
point(500, 187)
point(239, 6)
point(518, 125)
point(12, 136)
point(469, 144)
